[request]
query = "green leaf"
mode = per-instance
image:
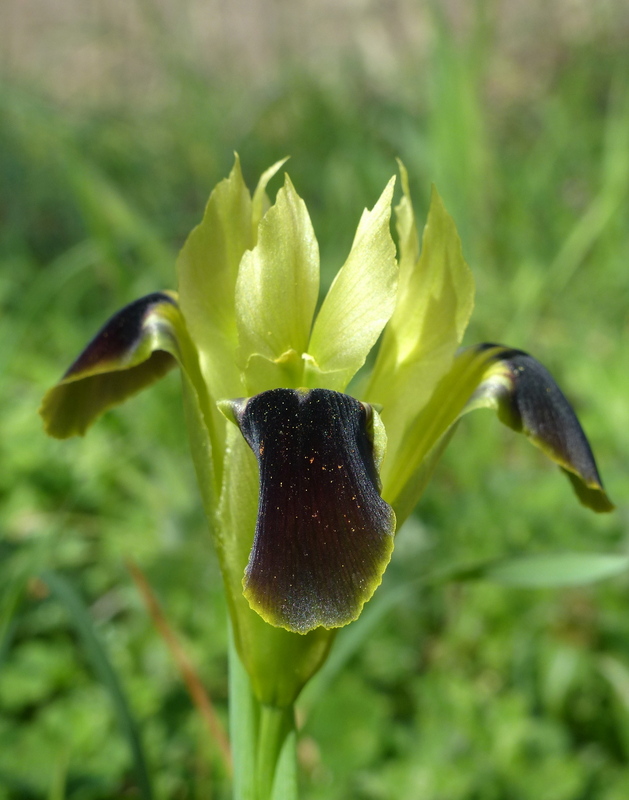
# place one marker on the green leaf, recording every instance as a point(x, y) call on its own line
point(11, 599)
point(556, 570)
point(243, 712)
point(359, 302)
point(278, 284)
point(58, 784)
point(285, 785)
point(434, 302)
point(276, 743)
point(96, 654)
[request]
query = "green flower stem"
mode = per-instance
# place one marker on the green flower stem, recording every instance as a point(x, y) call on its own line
point(263, 740)
point(276, 753)
point(285, 782)
point(243, 723)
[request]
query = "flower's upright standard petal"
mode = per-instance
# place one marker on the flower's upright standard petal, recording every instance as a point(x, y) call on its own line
point(276, 293)
point(526, 397)
point(261, 203)
point(207, 269)
point(434, 302)
point(359, 302)
point(136, 347)
point(323, 535)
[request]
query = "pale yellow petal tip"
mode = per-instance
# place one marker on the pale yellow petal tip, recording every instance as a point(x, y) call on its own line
point(406, 187)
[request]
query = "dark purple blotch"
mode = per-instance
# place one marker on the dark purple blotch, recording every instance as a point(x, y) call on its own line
point(536, 406)
point(118, 335)
point(323, 534)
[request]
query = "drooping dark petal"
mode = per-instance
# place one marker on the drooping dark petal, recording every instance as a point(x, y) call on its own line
point(136, 347)
point(527, 399)
point(323, 535)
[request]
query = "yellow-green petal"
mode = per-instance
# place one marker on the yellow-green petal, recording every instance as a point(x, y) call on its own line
point(207, 269)
point(278, 283)
point(261, 202)
point(434, 302)
point(359, 302)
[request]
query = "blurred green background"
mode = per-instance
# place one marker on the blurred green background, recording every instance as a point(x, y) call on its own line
point(116, 119)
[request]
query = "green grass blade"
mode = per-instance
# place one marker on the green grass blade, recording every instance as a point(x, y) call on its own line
point(555, 570)
point(95, 652)
point(8, 615)
point(57, 789)
point(243, 713)
point(18, 787)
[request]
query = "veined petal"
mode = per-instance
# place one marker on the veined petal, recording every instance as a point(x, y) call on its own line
point(261, 202)
point(434, 302)
point(360, 301)
point(132, 350)
point(278, 282)
point(207, 268)
point(323, 535)
point(527, 399)
point(265, 650)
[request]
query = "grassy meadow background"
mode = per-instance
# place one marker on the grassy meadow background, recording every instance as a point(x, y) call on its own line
point(116, 119)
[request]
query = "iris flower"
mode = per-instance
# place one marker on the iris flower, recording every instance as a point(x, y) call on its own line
point(311, 449)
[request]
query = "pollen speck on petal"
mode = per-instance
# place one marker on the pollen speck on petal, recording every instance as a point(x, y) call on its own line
point(320, 546)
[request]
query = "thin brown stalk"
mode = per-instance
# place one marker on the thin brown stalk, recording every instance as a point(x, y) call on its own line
point(196, 690)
